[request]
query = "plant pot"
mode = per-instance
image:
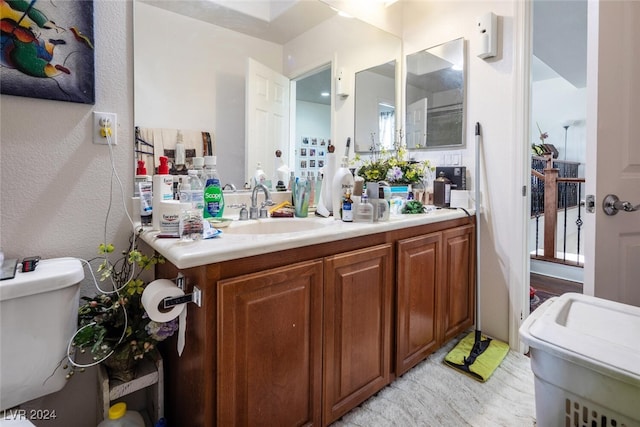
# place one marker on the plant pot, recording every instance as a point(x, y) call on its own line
point(121, 365)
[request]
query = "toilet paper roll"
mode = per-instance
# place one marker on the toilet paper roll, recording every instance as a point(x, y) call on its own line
point(152, 301)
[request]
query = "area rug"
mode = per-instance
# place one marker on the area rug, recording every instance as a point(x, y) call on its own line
point(432, 394)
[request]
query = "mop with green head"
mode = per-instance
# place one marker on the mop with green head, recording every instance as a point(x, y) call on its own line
point(477, 355)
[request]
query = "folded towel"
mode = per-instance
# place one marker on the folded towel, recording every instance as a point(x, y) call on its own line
point(484, 365)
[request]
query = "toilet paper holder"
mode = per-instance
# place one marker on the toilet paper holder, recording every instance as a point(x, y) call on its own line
point(195, 296)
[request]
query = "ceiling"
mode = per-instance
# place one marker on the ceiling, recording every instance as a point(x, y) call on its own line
point(560, 40)
point(279, 21)
point(559, 33)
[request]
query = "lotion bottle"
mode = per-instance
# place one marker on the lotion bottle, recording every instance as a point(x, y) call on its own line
point(343, 183)
point(162, 189)
point(259, 177)
point(141, 176)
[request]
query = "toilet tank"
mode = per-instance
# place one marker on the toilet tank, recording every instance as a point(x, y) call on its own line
point(38, 317)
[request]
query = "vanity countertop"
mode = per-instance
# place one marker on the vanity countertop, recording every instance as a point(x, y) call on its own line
point(232, 243)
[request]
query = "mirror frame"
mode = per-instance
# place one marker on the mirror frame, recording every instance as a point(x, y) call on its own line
point(446, 57)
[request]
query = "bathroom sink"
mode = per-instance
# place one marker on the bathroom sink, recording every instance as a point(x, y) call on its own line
point(274, 226)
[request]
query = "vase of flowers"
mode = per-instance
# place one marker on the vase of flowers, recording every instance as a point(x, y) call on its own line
point(113, 325)
point(393, 167)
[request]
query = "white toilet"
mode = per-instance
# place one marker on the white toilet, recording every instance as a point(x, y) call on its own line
point(38, 317)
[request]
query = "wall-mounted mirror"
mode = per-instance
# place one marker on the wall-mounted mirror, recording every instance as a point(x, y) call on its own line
point(435, 97)
point(375, 108)
point(190, 67)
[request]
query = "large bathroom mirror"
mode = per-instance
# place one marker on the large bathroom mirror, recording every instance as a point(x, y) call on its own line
point(190, 70)
point(435, 97)
point(375, 108)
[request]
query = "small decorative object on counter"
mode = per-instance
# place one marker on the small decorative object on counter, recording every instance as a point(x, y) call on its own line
point(413, 207)
point(364, 211)
point(442, 191)
point(191, 226)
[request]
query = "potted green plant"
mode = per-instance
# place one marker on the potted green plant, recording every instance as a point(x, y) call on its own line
point(113, 325)
point(393, 167)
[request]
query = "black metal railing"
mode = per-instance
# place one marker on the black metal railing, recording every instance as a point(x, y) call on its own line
point(558, 177)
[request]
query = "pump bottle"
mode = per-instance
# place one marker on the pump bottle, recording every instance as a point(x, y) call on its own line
point(162, 189)
point(141, 176)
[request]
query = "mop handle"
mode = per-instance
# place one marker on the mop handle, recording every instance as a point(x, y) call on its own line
point(477, 196)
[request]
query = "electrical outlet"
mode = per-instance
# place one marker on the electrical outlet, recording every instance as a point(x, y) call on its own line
point(105, 127)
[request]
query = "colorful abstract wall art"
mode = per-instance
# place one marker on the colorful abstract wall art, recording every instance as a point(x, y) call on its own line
point(47, 49)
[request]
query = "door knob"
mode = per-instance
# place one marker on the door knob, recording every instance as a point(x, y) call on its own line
point(612, 204)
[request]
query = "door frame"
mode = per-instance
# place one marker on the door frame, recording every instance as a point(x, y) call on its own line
point(519, 275)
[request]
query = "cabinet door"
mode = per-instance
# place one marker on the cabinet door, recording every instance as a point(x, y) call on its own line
point(357, 334)
point(270, 347)
point(459, 282)
point(418, 276)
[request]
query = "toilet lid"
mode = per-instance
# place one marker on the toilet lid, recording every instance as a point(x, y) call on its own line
point(49, 275)
point(21, 422)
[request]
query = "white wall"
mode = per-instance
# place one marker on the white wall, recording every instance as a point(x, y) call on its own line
point(334, 42)
point(55, 182)
point(556, 103)
point(490, 101)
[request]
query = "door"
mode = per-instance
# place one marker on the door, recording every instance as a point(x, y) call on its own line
point(458, 290)
point(357, 328)
point(612, 246)
point(417, 124)
point(270, 347)
point(267, 118)
point(418, 276)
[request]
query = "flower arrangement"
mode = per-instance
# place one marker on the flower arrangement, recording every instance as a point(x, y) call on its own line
point(392, 167)
point(114, 324)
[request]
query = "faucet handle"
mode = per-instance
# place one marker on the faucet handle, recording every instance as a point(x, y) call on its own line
point(244, 214)
point(263, 212)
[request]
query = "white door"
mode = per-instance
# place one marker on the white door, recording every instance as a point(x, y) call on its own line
point(417, 124)
point(612, 245)
point(267, 118)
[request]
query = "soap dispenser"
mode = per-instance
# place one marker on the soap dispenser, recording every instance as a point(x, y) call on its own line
point(259, 177)
point(141, 176)
point(162, 189)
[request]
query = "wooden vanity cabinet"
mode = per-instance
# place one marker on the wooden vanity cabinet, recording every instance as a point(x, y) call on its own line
point(357, 328)
point(270, 347)
point(458, 283)
point(418, 272)
point(302, 336)
point(435, 292)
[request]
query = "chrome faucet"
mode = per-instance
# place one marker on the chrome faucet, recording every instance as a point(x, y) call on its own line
point(229, 186)
point(253, 210)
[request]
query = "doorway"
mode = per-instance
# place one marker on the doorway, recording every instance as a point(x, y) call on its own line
point(558, 140)
point(311, 116)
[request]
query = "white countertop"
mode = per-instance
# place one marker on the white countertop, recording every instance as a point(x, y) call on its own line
point(230, 245)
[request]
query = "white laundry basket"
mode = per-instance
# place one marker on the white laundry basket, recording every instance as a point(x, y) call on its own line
point(585, 355)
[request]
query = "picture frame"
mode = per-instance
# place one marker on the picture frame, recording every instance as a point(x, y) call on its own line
point(48, 50)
